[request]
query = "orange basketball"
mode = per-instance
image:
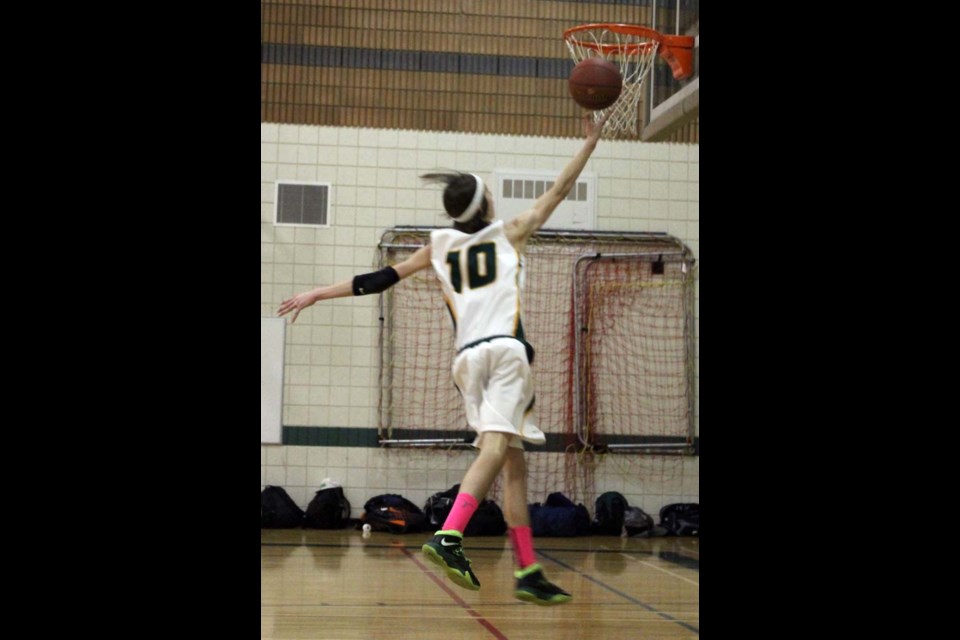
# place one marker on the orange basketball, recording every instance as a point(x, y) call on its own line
point(595, 83)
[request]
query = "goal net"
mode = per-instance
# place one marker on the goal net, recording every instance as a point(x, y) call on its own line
point(610, 317)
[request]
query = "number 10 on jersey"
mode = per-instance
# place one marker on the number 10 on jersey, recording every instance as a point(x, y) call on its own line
point(481, 266)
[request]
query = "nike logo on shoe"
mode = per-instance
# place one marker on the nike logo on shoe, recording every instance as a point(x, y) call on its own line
point(448, 544)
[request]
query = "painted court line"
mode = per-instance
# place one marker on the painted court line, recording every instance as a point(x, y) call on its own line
point(483, 622)
point(665, 616)
point(661, 569)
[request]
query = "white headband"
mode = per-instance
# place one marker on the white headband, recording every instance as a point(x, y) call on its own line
point(471, 210)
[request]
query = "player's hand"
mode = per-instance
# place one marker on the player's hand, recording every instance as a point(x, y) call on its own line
point(296, 304)
point(594, 129)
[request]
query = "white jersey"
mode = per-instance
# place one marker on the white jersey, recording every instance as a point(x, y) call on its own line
point(481, 275)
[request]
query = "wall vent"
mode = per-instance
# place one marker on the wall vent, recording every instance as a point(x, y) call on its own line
point(515, 190)
point(303, 204)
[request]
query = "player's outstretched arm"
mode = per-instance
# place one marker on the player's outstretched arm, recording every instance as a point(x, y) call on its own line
point(527, 223)
point(360, 285)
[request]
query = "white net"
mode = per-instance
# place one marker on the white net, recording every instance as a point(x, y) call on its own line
point(633, 50)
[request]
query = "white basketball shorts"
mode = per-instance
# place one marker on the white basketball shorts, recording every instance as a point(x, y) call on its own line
point(497, 386)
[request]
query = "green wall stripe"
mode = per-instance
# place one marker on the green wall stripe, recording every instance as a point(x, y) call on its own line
point(367, 437)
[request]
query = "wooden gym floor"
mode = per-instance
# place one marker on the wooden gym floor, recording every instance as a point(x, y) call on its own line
point(336, 585)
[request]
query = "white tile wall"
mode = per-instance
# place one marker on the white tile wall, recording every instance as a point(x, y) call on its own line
point(331, 377)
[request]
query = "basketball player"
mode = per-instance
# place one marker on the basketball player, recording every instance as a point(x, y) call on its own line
point(480, 266)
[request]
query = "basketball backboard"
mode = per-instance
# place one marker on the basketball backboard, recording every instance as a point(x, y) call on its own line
point(673, 103)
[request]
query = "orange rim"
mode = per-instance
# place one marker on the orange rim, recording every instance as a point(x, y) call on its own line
point(627, 29)
point(677, 51)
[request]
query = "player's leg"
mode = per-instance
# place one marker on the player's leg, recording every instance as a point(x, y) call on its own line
point(481, 474)
point(532, 586)
point(446, 546)
point(515, 509)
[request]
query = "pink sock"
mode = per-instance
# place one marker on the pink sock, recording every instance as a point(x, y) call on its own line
point(522, 539)
point(460, 514)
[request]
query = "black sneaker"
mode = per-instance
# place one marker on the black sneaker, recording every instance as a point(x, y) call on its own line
point(446, 550)
point(533, 587)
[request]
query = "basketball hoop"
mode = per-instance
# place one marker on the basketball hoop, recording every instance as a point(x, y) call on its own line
point(632, 49)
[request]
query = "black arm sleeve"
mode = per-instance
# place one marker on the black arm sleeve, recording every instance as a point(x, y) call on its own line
point(375, 282)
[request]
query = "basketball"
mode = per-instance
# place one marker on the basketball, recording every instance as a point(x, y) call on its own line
point(595, 83)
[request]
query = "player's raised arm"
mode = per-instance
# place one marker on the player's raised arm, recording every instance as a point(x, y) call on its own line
point(527, 223)
point(360, 285)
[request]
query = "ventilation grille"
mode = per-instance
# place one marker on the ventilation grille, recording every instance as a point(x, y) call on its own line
point(303, 204)
point(533, 189)
point(516, 190)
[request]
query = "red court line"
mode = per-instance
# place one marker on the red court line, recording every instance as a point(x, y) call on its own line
point(483, 622)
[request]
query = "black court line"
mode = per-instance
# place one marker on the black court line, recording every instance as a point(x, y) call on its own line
point(483, 622)
point(684, 561)
point(628, 598)
point(667, 556)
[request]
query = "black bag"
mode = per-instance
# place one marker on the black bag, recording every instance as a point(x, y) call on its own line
point(487, 520)
point(278, 510)
point(329, 509)
point(438, 506)
point(559, 517)
point(394, 514)
point(681, 519)
point(608, 519)
point(637, 522)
